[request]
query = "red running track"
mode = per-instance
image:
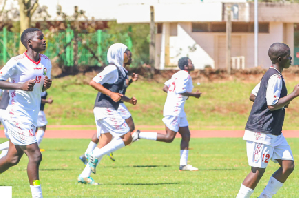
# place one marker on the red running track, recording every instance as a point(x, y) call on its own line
point(77, 134)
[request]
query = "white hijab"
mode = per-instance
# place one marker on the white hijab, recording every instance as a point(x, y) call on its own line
point(115, 55)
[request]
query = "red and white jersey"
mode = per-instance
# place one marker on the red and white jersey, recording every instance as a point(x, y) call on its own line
point(179, 83)
point(24, 105)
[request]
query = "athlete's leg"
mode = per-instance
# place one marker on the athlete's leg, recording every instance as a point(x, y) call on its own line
point(12, 158)
point(40, 134)
point(130, 123)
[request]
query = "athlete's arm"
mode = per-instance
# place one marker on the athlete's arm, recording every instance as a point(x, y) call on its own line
point(252, 97)
point(196, 94)
point(26, 86)
point(254, 92)
point(165, 88)
point(100, 88)
point(133, 79)
point(50, 101)
point(132, 100)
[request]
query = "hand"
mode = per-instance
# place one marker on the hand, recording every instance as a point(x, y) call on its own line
point(47, 82)
point(135, 77)
point(115, 96)
point(296, 90)
point(28, 85)
point(197, 94)
point(133, 101)
point(50, 101)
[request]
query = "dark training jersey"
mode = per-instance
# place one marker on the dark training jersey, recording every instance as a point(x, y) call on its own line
point(44, 96)
point(5, 100)
point(261, 119)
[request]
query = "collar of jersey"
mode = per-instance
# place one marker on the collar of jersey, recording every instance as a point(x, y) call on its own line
point(275, 69)
point(35, 62)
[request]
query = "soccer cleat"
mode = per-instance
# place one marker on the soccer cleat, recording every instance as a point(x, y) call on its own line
point(86, 180)
point(92, 162)
point(83, 159)
point(135, 136)
point(188, 168)
point(111, 157)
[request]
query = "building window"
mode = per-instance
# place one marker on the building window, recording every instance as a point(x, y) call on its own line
point(200, 27)
point(159, 28)
point(218, 27)
point(240, 27)
point(263, 27)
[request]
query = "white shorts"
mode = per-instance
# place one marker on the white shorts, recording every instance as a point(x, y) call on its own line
point(123, 111)
point(41, 119)
point(20, 133)
point(175, 122)
point(260, 154)
point(108, 120)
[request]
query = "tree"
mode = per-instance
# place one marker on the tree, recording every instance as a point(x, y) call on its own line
point(26, 11)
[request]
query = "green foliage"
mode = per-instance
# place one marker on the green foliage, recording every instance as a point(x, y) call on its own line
point(139, 34)
point(147, 169)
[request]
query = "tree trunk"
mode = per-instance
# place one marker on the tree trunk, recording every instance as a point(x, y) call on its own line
point(26, 12)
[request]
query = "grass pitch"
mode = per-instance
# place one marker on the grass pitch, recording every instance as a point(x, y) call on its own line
point(147, 169)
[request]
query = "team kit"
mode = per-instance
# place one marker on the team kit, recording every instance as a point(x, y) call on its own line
point(24, 81)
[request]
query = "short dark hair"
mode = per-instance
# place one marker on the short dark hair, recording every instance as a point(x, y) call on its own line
point(277, 50)
point(28, 34)
point(183, 62)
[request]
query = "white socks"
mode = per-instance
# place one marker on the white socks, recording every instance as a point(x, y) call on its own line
point(184, 157)
point(36, 191)
point(244, 192)
point(148, 135)
point(272, 187)
point(115, 144)
point(90, 147)
point(87, 170)
point(4, 146)
point(39, 136)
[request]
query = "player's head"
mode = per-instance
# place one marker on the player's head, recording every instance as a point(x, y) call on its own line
point(118, 54)
point(280, 53)
point(33, 38)
point(185, 63)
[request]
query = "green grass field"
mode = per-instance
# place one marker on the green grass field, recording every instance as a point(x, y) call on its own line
point(223, 105)
point(147, 169)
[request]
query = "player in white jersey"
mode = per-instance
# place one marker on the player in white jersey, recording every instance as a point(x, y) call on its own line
point(29, 74)
point(178, 89)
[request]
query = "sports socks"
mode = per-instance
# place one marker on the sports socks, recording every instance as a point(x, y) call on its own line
point(36, 189)
point(244, 192)
point(4, 146)
point(184, 157)
point(91, 147)
point(272, 187)
point(148, 135)
point(87, 170)
point(39, 136)
point(115, 144)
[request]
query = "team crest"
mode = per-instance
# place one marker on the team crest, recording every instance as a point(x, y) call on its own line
point(45, 71)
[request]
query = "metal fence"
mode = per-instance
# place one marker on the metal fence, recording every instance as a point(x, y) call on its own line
point(92, 47)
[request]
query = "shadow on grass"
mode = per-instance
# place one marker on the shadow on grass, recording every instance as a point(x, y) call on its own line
point(143, 184)
point(150, 166)
point(57, 169)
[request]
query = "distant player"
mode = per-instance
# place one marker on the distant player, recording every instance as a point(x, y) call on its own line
point(178, 89)
point(122, 110)
point(41, 119)
point(109, 83)
point(263, 134)
point(29, 75)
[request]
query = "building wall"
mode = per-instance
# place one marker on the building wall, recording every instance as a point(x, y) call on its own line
point(209, 48)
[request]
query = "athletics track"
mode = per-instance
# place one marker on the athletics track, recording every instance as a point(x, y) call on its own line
point(77, 134)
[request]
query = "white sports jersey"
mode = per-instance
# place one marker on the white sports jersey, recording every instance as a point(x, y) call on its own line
point(23, 105)
point(179, 83)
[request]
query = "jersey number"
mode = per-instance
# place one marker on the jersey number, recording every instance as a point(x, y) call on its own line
point(38, 79)
point(266, 158)
point(172, 87)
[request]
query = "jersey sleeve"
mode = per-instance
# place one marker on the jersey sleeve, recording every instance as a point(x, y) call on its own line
point(256, 89)
point(9, 70)
point(273, 89)
point(108, 75)
point(167, 83)
point(182, 84)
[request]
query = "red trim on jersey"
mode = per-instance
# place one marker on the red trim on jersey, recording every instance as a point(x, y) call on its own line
point(32, 60)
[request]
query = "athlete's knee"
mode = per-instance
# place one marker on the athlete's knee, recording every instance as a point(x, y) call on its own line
point(14, 160)
point(258, 171)
point(132, 127)
point(169, 138)
point(36, 157)
point(95, 138)
point(186, 137)
point(288, 168)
